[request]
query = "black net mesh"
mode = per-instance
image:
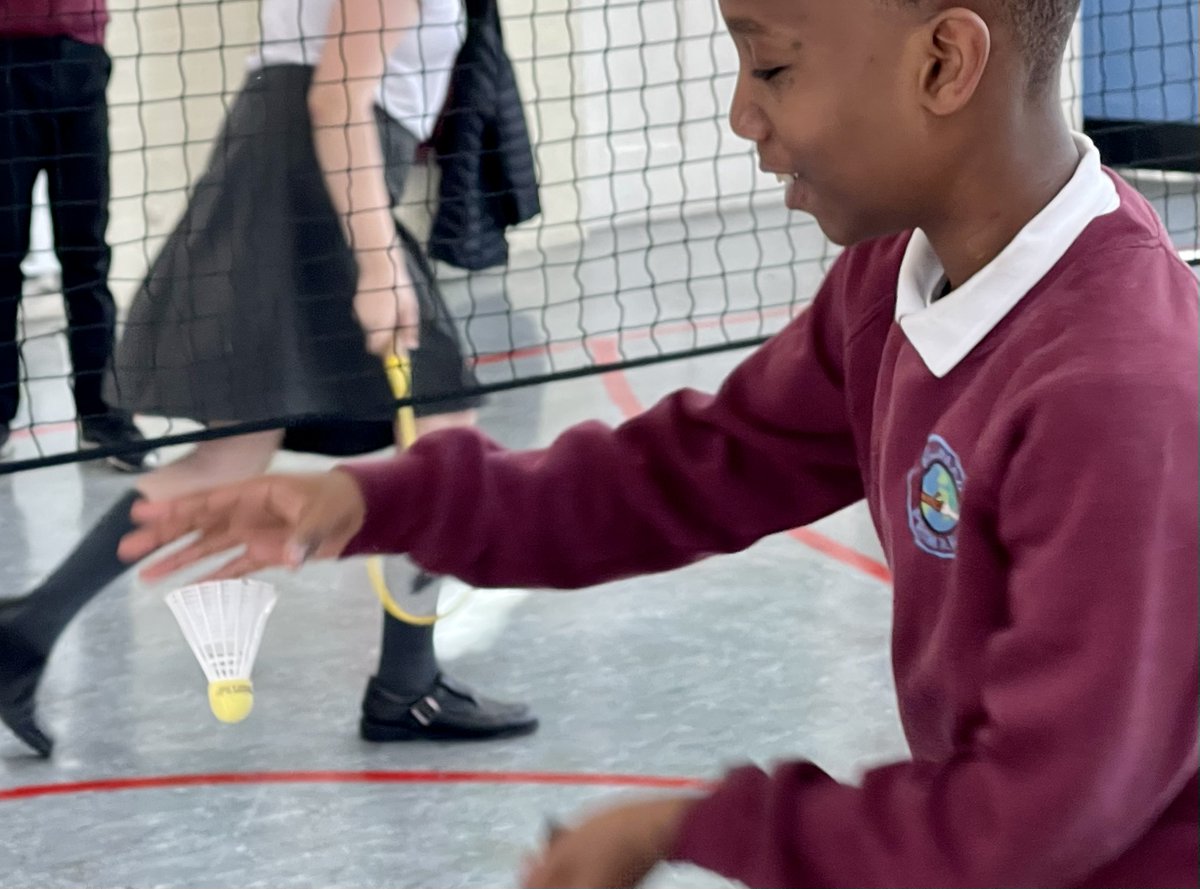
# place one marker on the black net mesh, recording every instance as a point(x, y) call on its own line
point(657, 237)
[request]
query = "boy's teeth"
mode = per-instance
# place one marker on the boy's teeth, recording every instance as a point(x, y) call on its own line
point(786, 178)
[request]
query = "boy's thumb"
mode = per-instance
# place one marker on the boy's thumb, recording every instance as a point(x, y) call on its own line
point(310, 534)
point(299, 551)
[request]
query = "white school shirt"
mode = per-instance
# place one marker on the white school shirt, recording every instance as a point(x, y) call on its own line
point(417, 77)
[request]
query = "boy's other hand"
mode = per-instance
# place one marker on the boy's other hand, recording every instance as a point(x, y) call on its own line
point(615, 848)
point(280, 520)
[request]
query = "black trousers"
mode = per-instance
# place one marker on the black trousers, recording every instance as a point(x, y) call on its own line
point(54, 117)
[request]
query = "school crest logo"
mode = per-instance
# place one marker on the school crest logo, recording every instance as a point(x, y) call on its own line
point(935, 489)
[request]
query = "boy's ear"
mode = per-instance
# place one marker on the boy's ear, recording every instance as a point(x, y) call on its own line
point(956, 50)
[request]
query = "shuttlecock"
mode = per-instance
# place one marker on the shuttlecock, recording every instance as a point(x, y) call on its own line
point(223, 623)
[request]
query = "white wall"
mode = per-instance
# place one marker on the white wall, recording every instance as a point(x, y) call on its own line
point(627, 102)
point(41, 261)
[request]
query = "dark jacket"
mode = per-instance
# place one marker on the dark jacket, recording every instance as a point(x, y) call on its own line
point(488, 178)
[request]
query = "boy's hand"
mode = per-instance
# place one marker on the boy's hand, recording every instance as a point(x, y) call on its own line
point(615, 848)
point(281, 520)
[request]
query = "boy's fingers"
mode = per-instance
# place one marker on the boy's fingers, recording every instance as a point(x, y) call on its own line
point(544, 868)
point(136, 545)
point(160, 568)
point(545, 874)
point(144, 510)
point(310, 537)
point(240, 566)
point(160, 523)
point(533, 872)
point(207, 545)
point(179, 509)
point(176, 522)
point(165, 521)
point(530, 865)
point(321, 532)
point(325, 541)
point(263, 514)
point(298, 552)
point(150, 538)
point(285, 499)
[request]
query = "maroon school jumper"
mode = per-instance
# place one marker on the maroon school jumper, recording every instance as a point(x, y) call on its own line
point(82, 20)
point(1038, 508)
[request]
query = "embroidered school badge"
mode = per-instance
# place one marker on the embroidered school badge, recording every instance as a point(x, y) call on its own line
point(934, 495)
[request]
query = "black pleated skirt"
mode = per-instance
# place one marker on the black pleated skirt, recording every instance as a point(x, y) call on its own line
point(246, 314)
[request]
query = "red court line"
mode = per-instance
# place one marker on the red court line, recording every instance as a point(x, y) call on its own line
point(216, 779)
point(616, 384)
point(607, 343)
point(842, 553)
point(44, 429)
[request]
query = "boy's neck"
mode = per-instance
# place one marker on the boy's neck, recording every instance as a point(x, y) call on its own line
point(999, 190)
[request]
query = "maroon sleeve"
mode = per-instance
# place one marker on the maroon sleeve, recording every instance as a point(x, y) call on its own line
point(694, 475)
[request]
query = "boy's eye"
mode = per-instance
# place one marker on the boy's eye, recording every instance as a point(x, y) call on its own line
point(766, 74)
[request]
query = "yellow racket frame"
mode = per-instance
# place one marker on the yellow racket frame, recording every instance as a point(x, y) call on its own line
point(399, 374)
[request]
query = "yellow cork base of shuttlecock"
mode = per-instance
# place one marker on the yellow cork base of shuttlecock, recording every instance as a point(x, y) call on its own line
point(231, 700)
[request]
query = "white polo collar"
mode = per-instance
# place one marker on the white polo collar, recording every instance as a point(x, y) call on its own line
point(945, 332)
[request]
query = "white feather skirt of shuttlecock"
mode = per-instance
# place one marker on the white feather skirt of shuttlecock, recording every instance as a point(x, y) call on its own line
point(223, 623)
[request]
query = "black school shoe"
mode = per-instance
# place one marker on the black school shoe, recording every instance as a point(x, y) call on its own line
point(114, 429)
point(20, 672)
point(448, 711)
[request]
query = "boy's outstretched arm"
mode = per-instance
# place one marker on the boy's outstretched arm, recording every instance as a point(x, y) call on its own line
point(694, 475)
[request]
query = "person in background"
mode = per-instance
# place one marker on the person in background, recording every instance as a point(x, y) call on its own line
point(281, 290)
point(54, 118)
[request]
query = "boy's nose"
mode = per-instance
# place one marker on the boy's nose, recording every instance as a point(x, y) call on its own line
point(746, 119)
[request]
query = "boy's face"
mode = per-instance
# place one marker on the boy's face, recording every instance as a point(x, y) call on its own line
point(828, 91)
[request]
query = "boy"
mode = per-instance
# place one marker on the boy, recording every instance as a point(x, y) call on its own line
point(1003, 364)
point(54, 117)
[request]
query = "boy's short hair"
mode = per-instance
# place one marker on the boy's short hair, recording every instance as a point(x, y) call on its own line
point(1042, 28)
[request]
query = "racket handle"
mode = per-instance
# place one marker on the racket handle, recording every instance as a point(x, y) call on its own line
point(399, 374)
